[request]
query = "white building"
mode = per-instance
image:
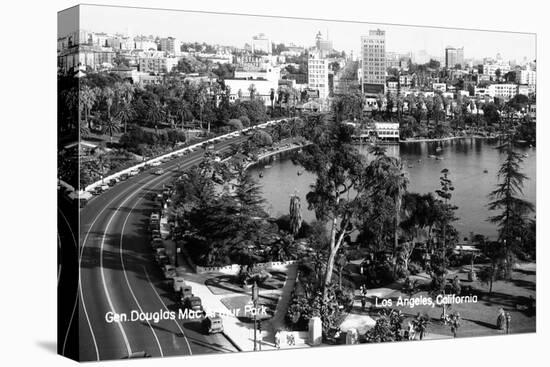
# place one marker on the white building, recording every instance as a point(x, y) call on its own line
point(157, 64)
point(439, 87)
point(260, 43)
point(490, 69)
point(527, 77)
point(373, 52)
point(318, 74)
point(145, 44)
point(170, 45)
point(505, 91)
point(240, 89)
point(269, 72)
point(387, 130)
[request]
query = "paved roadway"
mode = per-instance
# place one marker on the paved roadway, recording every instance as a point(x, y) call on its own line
point(118, 274)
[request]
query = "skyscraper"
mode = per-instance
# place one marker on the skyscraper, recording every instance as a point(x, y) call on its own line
point(318, 74)
point(454, 56)
point(373, 53)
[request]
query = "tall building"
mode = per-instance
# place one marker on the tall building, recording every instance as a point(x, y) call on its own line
point(373, 53)
point(324, 47)
point(261, 44)
point(170, 45)
point(527, 77)
point(453, 57)
point(317, 68)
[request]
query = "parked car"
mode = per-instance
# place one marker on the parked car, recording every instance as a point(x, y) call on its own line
point(179, 283)
point(185, 291)
point(162, 259)
point(193, 303)
point(169, 271)
point(133, 172)
point(157, 243)
point(155, 233)
point(212, 324)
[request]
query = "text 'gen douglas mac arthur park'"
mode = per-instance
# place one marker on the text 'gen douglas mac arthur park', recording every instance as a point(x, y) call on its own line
point(289, 183)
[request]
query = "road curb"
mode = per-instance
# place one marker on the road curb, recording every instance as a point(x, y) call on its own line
point(233, 343)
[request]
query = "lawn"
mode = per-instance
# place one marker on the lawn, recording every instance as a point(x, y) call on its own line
point(479, 318)
point(240, 301)
point(221, 284)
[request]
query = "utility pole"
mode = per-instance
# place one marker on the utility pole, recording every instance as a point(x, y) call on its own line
point(255, 303)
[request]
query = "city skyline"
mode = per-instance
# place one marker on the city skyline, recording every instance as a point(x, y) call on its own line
point(345, 36)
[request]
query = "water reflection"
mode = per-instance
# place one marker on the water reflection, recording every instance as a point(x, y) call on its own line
point(473, 165)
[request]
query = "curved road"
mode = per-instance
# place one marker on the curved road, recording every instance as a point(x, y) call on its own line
point(118, 274)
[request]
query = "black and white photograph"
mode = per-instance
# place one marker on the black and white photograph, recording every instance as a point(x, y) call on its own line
point(238, 183)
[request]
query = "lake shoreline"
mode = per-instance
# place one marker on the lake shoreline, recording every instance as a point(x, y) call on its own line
point(426, 140)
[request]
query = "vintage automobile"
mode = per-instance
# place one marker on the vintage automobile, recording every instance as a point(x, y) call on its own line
point(193, 303)
point(212, 324)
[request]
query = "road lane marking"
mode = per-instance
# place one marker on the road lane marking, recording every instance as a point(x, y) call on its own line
point(80, 267)
point(59, 275)
point(126, 275)
point(166, 308)
point(105, 288)
point(188, 163)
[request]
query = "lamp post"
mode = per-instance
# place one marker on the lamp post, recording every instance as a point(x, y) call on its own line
point(255, 303)
point(175, 238)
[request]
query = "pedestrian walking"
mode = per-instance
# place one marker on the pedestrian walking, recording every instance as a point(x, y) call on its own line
point(278, 339)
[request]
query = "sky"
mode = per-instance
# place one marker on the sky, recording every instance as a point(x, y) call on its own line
point(236, 30)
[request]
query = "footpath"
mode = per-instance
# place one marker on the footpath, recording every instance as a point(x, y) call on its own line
point(241, 334)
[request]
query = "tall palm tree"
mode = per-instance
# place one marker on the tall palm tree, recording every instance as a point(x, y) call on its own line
point(125, 114)
point(395, 186)
point(252, 91)
point(108, 95)
point(420, 324)
point(87, 100)
point(295, 215)
point(111, 126)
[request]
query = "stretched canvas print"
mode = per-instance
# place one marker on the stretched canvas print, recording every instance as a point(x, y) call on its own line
point(234, 183)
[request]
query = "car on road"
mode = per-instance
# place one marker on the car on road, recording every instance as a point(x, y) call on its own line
point(212, 324)
point(155, 163)
point(155, 233)
point(169, 271)
point(193, 303)
point(179, 284)
point(154, 220)
point(137, 355)
point(134, 172)
point(159, 172)
point(185, 291)
point(157, 243)
point(162, 259)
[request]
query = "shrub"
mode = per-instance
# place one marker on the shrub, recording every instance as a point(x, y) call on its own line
point(236, 124)
point(245, 121)
point(414, 268)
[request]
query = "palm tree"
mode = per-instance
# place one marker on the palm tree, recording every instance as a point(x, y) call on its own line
point(252, 91)
point(87, 100)
point(111, 126)
point(202, 99)
point(108, 95)
point(420, 324)
point(395, 184)
point(295, 215)
point(126, 114)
